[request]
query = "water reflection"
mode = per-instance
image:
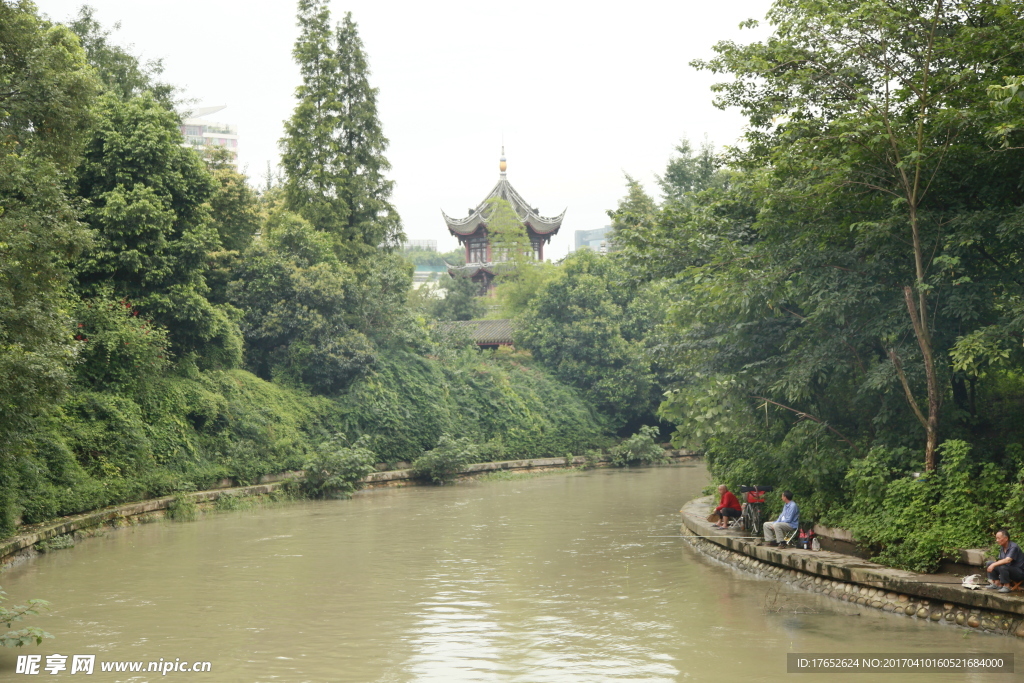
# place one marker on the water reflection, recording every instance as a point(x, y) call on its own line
point(481, 625)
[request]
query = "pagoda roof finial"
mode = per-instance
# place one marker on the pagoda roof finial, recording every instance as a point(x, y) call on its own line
point(501, 164)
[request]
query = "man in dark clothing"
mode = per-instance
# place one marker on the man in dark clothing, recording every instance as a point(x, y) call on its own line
point(1009, 567)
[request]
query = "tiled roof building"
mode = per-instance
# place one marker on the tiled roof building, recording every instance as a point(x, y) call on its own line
point(487, 334)
point(471, 231)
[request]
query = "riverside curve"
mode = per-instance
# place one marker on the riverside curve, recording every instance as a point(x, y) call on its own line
point(20, 547)
point(852, 579)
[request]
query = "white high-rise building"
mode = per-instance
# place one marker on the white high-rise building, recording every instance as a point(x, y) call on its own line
point(201, 134)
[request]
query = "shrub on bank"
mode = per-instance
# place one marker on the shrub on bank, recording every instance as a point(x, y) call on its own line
point(913, 522)
point(335, 468)
point(640, 449)
point(451, 456)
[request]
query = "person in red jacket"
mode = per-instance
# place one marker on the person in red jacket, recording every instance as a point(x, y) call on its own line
point(728, 506)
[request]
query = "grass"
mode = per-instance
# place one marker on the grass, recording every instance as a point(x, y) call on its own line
point(237, 503)
point(183, 509)
point(56, 543)
point(229, 503)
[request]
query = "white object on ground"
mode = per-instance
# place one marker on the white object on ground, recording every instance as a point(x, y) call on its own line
point(974, 582)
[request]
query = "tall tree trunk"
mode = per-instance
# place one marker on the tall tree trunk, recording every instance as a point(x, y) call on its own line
point(919, 310)
point(931, 423)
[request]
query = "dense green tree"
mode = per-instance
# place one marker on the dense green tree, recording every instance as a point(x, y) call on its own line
point(879, 109)
point(297, 298)
point(46, 91)
point(1009, 103)
point(516, 289)
point(689, 173)
point(236, 213)
point(119, 350)
point(588, 324)
point(333, 150)
point(639, 232)
point(382, 310)
point(148, 206)
point(459, 299)
point(869, 221)
point(316, 317)
point(662, 241)
point(47, 87)
point(234, 205)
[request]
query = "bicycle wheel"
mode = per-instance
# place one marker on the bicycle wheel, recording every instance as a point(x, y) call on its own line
point(748, 517)
point(755, 520)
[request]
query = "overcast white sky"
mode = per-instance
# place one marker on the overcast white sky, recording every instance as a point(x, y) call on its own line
point(582, 93)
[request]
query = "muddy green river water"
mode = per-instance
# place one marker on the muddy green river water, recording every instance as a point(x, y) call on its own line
point(560, 577)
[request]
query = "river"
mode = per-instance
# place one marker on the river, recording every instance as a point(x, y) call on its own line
point(562, 577)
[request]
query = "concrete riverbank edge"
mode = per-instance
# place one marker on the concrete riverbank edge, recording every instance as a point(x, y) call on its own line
point(21, 545)
point(934, 598)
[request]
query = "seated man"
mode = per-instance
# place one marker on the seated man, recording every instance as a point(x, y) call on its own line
point(789, 519)
point(728, 506)
point(1010, 565)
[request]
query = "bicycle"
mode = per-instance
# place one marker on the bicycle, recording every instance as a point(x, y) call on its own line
point(753, 509)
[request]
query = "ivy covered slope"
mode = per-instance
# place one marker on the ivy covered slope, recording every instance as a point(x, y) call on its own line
point(164, 326)
point(187, 429)
point(846, 318)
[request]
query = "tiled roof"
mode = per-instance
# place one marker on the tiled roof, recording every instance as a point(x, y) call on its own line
point(527, 214)
point(483, 331)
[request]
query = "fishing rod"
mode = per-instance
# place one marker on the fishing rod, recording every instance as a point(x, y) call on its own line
point(739, 538)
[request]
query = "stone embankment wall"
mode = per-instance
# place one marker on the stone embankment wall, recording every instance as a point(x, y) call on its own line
point(20, 547)
point(919, 596)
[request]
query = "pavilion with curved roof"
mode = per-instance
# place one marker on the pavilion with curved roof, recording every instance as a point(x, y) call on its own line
point(471, 231)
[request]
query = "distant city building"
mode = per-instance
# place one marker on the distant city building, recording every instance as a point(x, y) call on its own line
point(471, 232)
point(598, 240)
point(202, 134)
point(426, 275)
